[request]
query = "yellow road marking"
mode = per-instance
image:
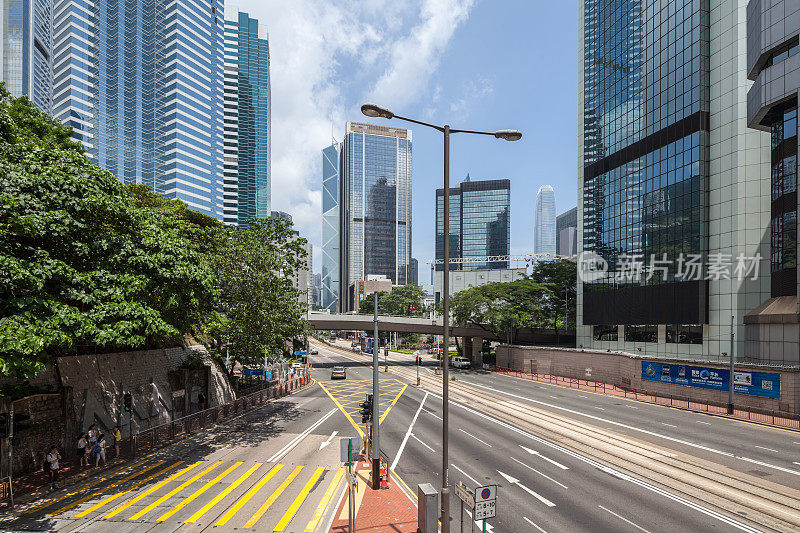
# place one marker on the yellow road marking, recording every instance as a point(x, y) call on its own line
point(109, 475)
point(198, 492)
point(250, 493)
point(101, 491)
point(151, 490)
point(174, 491)
point(274, 496)
point(326, 500)
point(126, 491)
point(392, 404)
point(203, 510)
point(359, 495)
point(292, 510)
point(342, 409)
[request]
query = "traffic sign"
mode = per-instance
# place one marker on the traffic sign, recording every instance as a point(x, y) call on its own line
point(465, 495)
point(489, 492)
point(349, 448)
point(485, 509)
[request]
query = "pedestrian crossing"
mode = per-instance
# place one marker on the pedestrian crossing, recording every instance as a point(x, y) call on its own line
point(260, 496)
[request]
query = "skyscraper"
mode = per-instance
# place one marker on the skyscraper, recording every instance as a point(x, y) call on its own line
point(375, 204)
point(567, 233)
point(141, 84)
point(669, 173)
point(26, 50)
point(330, 227)
point(479, 223)
point(544, 221)
point(248, 122)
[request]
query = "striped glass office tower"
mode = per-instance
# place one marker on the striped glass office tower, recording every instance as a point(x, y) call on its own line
point(330, 227)
point(544, 221)
point(26, 43)
point(247, 190)
point(375, 208)
point(141, 84)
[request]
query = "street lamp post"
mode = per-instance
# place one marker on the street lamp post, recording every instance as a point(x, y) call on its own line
point(374, 111)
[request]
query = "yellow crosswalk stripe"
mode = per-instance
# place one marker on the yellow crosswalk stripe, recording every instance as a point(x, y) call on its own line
point(174, 491)
point(204, 509)
point(250, 493)
point(83, 487)
point(292, 510)
point(126, 491)
point(198, 492)
point(274, 496)
point(151, 490)
point(326, 500)
point(101, 491)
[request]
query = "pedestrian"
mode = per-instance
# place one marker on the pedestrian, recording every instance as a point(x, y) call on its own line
point(100, 450)
point(82, 445)
point(201, 401)
point(52, 467)
point(117, 439)
point(91, 435)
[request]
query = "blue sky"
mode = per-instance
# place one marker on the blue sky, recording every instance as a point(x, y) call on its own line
point(489, 64)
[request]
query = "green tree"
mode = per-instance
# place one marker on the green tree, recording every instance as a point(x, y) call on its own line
point(83, 266)
point(561, 277)
point(403, 300)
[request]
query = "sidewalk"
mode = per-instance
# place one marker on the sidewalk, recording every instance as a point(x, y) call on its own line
point(377, 511)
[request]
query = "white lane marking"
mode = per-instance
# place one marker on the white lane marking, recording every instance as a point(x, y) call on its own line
point(408, 433)
point(640, 430)
point(609, 470)
point(631, 407)
point(540, 473)
point(514, 481)
point(476, 438)
point(432, 414)
point(477, 483)
point(534, 525)
point(534, 452)
point(601, 408)
point(327, 442)
point(637, 526)
point(795, 462)
point(701, 422)
point(764, 448)
point(489, 527)
point(417, 439)
point(556, 397)
point(295, 441)
point(670, 425)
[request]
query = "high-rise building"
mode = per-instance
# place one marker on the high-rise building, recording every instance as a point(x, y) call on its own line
point(773, 63)
point(672, 180)
point(567, 233)
point(316, 291)
point(413, 276)
point(375, 204)
point(330, 227)
point(479, 223)
point(26, 50)
point(141, 84)
point(544, 221)
point(248, 121)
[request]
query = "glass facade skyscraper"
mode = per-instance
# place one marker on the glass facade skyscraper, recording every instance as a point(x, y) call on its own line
point(544, 221)
point(479, 223)
point(248, 122)
point(26, 49)
point(330, 228)
point(375, 204)
point(141, 84)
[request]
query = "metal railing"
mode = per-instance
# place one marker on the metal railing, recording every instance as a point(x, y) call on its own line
point(755, 414)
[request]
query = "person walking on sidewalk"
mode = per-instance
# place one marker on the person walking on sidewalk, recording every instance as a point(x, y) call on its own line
point(91, 435)
point(201, 401)
point(117, 440)
point(100, 450)
point(52, 467)
point(83, 443)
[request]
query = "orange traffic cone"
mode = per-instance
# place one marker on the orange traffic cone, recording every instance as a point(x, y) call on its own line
point(384, 478)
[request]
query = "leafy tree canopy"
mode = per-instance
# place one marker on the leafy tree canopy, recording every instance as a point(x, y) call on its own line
point(403, 300)
point(560, 304)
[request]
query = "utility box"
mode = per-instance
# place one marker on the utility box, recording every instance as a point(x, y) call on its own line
point(427, 508)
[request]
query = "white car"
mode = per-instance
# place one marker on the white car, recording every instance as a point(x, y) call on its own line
point(460, 362)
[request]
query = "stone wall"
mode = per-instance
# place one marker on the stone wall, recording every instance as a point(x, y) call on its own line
point(625, 370)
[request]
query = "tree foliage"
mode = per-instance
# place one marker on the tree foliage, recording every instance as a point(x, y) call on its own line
point(403, 300)
point(560, 303)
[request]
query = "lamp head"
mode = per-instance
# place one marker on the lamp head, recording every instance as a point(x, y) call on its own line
point(509, 135)
point(375, 111)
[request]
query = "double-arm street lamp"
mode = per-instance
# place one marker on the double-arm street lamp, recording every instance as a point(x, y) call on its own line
point(374, 111)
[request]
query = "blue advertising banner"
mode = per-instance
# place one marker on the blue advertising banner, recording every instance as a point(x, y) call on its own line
point(763, 384)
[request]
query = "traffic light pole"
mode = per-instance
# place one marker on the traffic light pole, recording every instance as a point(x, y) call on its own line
point(376, 407)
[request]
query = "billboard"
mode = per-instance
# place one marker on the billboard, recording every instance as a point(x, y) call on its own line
point(763, 384)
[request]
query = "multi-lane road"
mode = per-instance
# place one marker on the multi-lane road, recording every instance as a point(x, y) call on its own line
point(563, 459)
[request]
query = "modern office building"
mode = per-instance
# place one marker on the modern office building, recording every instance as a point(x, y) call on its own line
point(248, 121)
point(26, 50)
point(673, 186)
point(141, 84)
point(375, 204)
point(773, 63)
point(330, 227)
point(479, 224)
point(316, 291)
point(413, 276)
point(544, 221)
point(567, 233)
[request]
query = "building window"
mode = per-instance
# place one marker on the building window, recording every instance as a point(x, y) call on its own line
point(641, 333)
point(784, 52)
point(783, 253)
point(605, 333)
point(685, 333)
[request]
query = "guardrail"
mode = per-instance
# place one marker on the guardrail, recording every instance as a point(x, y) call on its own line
point(764, 416)
point(182, 427)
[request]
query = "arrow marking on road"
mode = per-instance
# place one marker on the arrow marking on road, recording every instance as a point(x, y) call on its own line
point(515, 481)
point(327, 442)
point(534, 452)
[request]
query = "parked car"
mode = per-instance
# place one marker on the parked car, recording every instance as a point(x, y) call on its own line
point(314, 352)
point(338, 372)
point(356, 349)
point(460, 362)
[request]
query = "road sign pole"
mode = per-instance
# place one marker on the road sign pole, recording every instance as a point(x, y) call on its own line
point(484, 525)
point(462, 517)
point(376, 405)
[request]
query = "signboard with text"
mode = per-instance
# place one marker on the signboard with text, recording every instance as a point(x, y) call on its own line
point(764, 384)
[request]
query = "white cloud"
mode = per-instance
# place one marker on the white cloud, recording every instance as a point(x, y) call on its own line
point(471, 93)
